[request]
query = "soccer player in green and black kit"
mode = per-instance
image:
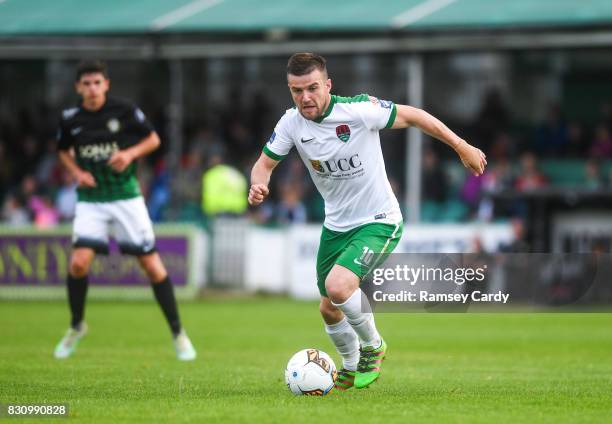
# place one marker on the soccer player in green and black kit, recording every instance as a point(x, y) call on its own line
point(99, 141)
point(338, 141)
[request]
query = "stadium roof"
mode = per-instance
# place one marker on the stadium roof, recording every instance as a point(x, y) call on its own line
point(41, 17)
point(200, 28)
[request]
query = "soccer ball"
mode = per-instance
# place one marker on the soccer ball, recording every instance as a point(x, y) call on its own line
point(310, 372)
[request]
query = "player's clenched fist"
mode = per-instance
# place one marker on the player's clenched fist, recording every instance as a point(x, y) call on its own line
point(473, 158)
point(257, 194)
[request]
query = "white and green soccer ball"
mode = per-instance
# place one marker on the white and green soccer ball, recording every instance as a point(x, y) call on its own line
point(310, 372)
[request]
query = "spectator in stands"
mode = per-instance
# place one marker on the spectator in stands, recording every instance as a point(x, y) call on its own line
point(224, 189)
point(239, 138)
point(576, 142)
point(39, 203)
point(202, 139)
point(29, 188)
point(29, 155)
point(292, 171)
point(45, 214)
point(519, 241)
point(159, 191)
point(499, 178)
point(552, 135)
point(478, 193)
point(14, 212)
point(530, 178)
point(593, 178)
point(471, 191)
point(185, 185)
point(434, 185)
point(492, 119)
point(6, 171)
point(48, 170)
point(66, 197)
point(264, 215)
point(260, 117)
point(496, 180)
point(503, 147)
point(291, 209)
point(602, 144)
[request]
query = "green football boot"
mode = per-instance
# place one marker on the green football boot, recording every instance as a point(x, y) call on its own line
point(345, 379)
point(370, 361)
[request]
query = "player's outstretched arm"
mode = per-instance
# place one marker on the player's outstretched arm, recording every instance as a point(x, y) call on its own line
point(121, 159)
point(473, 158)
point(260, 178)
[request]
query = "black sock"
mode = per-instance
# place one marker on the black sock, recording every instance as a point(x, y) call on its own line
point(164, 293)
point(77, 291)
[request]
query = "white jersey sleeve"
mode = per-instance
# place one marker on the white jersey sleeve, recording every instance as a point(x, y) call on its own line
point(280, 142)
point(377, 114)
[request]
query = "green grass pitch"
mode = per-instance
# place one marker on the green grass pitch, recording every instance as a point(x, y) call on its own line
point(464, 368)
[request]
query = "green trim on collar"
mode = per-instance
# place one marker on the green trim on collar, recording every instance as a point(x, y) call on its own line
point(359, 98)
point(332, 102)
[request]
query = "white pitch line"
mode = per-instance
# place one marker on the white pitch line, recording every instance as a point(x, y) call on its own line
point(182, 13)
point(418, 12)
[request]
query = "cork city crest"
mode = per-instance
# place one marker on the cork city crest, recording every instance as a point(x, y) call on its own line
point(343, 132)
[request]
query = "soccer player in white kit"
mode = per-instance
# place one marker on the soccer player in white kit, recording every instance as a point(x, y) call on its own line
point(338, 140)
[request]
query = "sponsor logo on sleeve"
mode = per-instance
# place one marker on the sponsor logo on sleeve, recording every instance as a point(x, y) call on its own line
point(386, 104)
point(272, 137)
point(139, 115)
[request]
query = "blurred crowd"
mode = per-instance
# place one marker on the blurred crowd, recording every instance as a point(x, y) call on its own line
point(555, 155)
point(35, 189)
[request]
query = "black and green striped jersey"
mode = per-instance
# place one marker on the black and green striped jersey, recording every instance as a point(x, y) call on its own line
point(95, 136)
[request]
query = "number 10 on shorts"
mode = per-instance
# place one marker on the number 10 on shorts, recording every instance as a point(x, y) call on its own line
point(366, 257)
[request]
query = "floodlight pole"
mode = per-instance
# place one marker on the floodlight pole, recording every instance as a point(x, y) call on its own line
point(175, 115)
point(414, 140)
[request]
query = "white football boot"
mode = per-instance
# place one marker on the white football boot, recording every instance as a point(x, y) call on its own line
point(70, 341)
point(184, 348)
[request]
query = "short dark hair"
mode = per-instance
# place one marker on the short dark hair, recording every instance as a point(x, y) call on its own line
point(304, 63)
point(91, 67)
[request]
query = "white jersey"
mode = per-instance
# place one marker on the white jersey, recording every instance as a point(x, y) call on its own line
point(342, 152)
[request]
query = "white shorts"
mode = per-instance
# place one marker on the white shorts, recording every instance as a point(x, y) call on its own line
point(127, 220)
